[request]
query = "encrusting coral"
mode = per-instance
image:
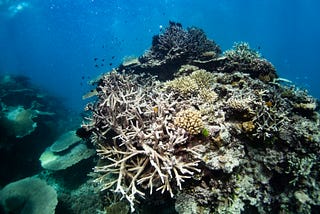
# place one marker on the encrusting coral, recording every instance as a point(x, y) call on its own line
point(252, 147)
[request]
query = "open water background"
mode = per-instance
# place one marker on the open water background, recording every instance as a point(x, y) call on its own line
point(55, 42)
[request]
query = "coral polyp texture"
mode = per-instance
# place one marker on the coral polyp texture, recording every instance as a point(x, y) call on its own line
point(214, 134)
point(189, 120)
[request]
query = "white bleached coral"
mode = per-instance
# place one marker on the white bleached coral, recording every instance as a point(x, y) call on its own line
point(142, 150)
point(55, 161)
point(65, 141)
point(20, 120)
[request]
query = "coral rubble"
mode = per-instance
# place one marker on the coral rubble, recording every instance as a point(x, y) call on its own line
point(218, 133)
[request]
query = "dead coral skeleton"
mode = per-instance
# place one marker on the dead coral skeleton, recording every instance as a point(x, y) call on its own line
point(142, 153)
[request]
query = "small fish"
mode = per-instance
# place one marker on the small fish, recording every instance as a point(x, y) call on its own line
point(97, 66)
point(155, 109)
point(82, 77)
point(269, 104)
point(95, 59)
point(112, 57)
point(110, 64)
point(102, 65)
point(102, 60)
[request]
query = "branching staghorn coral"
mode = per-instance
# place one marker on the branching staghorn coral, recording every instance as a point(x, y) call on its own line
point(142, 154)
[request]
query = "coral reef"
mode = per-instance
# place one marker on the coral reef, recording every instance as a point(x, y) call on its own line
point(65, 152)
point(29, 195)
point(18, 120)
point(134, 130)
point(219, 134)
point(176, 42)
point(190, 120)
point(55, 161)
point(65, 141)
point(173, 47)
point(197, 83)
point(243, 58)
point(30, 119)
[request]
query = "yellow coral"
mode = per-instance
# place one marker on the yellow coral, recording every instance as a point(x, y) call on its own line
point(190, 120)
point(203, 78)
point(197, 82)
point(248, 126)
point(240, 105)
point(185, 85)
point(208, 95)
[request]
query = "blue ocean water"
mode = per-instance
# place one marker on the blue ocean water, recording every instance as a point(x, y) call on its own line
point(61, 45)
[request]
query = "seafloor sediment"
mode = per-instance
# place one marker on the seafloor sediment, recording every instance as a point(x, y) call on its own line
point(213, 132)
